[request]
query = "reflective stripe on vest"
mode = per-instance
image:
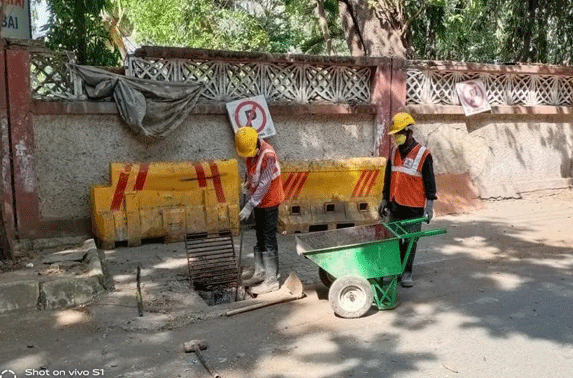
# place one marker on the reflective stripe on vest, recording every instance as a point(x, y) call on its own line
point(266, 149)
point(415, 169)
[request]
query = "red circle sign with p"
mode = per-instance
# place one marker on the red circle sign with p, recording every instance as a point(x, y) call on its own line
point(250, 113)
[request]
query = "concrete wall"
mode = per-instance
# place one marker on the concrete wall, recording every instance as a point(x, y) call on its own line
point(73, 152)
point(503, 154)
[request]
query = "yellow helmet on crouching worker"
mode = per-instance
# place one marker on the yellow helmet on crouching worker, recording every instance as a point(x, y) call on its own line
point(246, 142)
point(400, 121)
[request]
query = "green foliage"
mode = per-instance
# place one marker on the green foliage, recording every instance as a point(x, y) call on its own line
point(455, 30)
point(76, 25)
point(494, 31)
point(275, 26)
point(489, 31)
point(194, 23)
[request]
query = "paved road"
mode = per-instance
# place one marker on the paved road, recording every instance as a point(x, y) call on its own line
point(493, 298)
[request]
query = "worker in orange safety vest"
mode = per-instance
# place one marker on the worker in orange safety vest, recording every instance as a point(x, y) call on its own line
point(263, 183)
point(409, 185)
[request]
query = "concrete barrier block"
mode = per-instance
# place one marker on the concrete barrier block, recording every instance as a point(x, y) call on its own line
point(69, 292)
point(19, 295)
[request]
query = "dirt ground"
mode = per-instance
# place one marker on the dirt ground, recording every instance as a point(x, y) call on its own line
point(493, 298)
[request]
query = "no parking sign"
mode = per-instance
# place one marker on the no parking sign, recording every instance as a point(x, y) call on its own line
point(253, 112)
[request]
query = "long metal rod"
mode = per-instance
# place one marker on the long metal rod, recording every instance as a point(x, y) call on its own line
point(205, 365)
point(239, 262)
point(138, 293)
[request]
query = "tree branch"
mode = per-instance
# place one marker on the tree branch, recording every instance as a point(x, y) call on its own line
point(407, 22)
point(355, 27)
point(323, 22)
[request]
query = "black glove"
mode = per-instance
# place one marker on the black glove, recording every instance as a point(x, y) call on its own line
point(429, 210)
point(383, 209)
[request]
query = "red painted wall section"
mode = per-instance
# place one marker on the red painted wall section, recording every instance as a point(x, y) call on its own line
point(22, 142)
point(398, 85)
point(7, 200)
point(381, 98)
point(389, 97)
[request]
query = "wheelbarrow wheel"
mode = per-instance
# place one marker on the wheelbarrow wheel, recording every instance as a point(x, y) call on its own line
point(326, 278)
point(350, 297)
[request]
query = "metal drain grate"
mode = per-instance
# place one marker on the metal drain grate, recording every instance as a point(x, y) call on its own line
point(211, 259)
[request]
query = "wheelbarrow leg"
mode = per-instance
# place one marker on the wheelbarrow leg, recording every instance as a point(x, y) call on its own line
point(385, 292)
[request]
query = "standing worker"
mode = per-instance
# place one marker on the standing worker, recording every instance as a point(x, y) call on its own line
point(266, 189)
point(409, 185)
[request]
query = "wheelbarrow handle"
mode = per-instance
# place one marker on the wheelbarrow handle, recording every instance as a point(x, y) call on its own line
point(411, 221)
point(397, 228)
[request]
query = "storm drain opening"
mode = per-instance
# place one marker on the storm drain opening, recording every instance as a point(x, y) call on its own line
point(213, 269)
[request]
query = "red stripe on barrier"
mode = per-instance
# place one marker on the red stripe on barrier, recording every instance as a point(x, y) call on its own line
point(287, 181)
point(364, 183)
point(371, 183)
point(293, 184)
point(300, 185)
point(300, 178)
point(200, 175)
point(217, 182)
point(119, 193)
point(141, 177)
point(355, 191)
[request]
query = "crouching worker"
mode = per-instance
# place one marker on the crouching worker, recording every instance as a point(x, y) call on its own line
point(264, 184)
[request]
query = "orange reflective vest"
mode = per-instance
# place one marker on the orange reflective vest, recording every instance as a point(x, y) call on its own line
point(275, 195)
point(406, 183)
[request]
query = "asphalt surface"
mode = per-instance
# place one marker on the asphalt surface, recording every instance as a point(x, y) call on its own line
point(493, 298)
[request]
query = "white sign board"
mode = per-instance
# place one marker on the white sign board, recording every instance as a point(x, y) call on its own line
point(16, 23)
point(254, 112)
point(473, 97)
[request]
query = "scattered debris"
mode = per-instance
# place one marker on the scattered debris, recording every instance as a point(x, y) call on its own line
point(449, 368)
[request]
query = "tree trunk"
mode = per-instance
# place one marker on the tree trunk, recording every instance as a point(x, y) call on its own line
point(351, 32)
point(375, 28)
point(526, 55)
point(80, 21)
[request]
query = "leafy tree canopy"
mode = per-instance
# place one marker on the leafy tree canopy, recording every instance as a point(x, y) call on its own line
point(76, 25)
point(463, 30)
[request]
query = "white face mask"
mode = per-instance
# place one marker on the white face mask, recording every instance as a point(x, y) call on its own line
point(399, 139)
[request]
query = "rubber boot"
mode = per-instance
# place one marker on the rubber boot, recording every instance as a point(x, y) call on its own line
point(259, 274)
point(271, 282)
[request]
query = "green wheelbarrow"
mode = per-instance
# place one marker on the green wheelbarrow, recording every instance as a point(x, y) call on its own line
point(361, 264)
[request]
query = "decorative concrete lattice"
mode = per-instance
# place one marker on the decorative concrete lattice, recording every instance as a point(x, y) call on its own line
point(52, 78)
point(278, 82)
point(433, 87)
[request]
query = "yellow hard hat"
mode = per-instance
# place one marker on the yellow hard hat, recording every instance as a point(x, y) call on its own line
point(246, 141)
point(400, 121)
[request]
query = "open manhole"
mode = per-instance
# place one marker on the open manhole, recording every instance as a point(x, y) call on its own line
point(213, 268)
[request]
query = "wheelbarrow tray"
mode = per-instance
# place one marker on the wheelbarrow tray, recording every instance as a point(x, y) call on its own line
point(369, 251)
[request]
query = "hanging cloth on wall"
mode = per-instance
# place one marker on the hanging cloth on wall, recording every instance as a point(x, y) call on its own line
point(150, 108)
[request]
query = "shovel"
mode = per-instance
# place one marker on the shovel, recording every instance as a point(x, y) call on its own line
point(290, 291)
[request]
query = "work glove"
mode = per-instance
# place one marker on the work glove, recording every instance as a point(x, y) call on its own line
point(246, 212)
point(245, 187)
point(429, 210)
point(383, 209)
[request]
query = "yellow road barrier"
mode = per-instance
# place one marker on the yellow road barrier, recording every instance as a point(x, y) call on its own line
point(329, 194)
point(167, 200)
